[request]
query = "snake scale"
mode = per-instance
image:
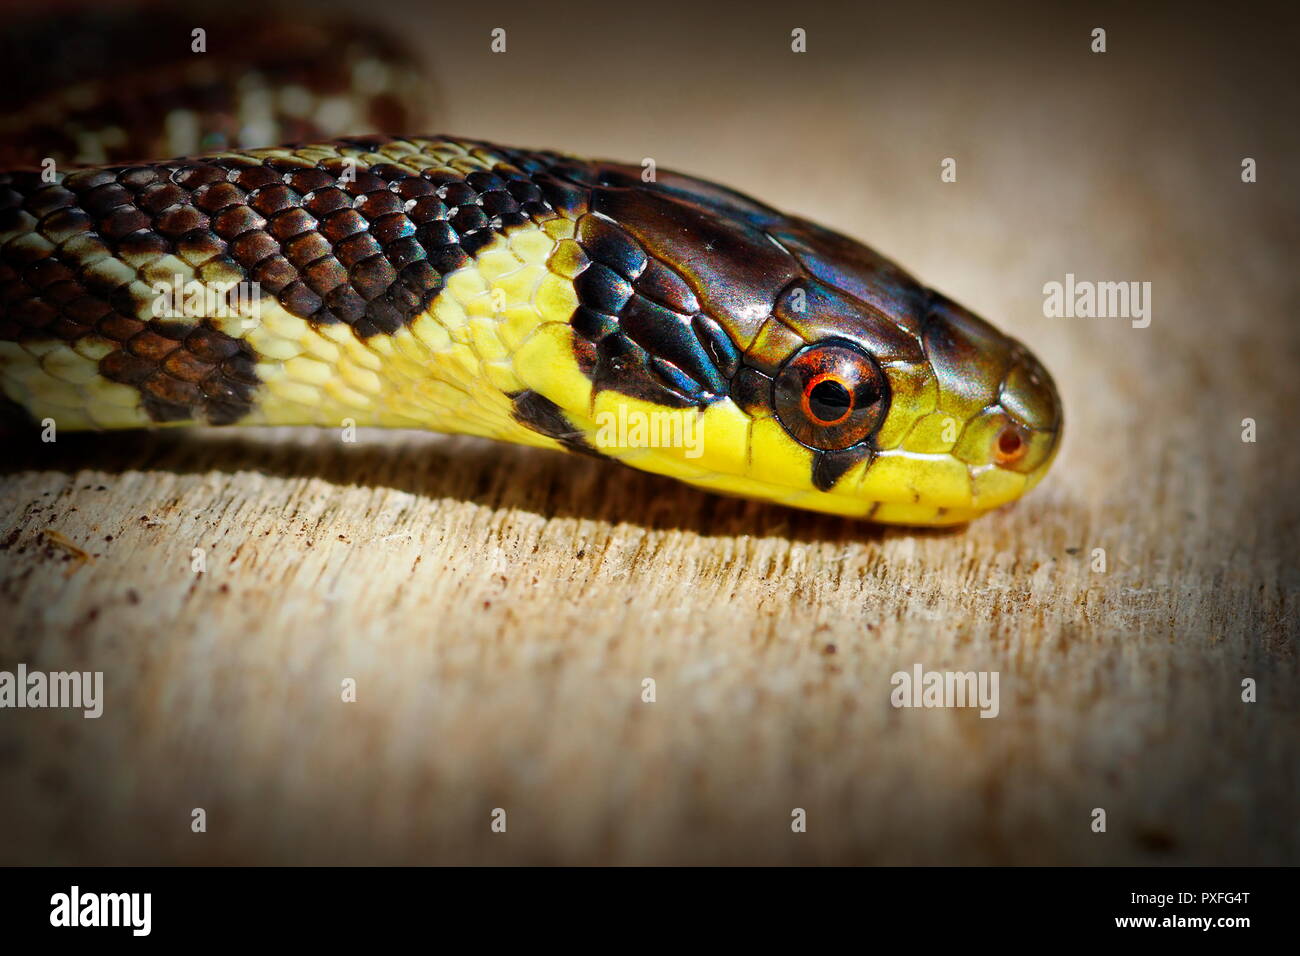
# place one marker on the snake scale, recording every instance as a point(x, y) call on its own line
point(459, 286)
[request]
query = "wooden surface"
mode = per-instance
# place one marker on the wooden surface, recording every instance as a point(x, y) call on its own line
point(499, 608)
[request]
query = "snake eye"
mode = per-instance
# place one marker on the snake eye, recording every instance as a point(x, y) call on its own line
point(830, 396)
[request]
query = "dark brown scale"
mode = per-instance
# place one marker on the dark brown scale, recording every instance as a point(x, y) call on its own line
point(307, 248)
point(141, 247)
point(830, 466)
point(394, 232)
point(122, 366)
point(252, 248)
point(546, 418)
point(660, 283)
point(718, 346)
point(235, 222)
point(276, 275)
point(180, 221)
point(591, 324)
point(602, 289)
point(612, 246)
point(277, 197)
point(752, 391)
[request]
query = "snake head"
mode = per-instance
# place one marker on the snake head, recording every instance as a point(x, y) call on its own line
point(824, 376)
point(943, 416)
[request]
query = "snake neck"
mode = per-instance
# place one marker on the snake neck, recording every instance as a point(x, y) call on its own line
point(329, 286)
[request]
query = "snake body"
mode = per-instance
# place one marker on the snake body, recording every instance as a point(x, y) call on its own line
point(525, 296)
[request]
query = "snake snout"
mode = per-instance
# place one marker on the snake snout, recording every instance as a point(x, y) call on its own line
point(1003, 394)
point(1029, 397)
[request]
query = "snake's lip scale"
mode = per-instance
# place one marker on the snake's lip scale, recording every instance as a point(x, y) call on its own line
point(664, 321)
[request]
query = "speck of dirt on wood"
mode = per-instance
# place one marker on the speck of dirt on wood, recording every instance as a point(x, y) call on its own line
point(70, 549)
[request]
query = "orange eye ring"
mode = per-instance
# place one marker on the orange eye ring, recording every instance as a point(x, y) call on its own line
point(831, 395)
point(825, 395)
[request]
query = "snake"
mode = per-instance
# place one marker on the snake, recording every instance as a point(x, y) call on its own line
point(363, 276)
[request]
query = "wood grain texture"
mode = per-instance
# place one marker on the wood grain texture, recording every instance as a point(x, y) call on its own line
point(499, 607)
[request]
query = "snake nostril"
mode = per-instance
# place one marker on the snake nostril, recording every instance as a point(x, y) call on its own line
point(1011, 445)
